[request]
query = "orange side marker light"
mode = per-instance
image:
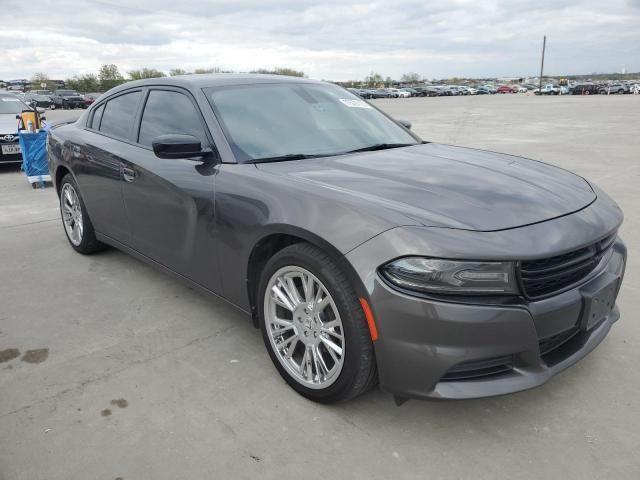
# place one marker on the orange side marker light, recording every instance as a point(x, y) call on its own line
point(368, 314)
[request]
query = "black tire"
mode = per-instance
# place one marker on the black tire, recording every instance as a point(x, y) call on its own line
point(89, 243)
point(359, 372)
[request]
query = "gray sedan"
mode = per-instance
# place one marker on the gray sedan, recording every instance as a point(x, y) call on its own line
point(364, 254)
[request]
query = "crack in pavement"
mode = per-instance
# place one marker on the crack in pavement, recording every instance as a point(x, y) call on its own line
point(3, 227)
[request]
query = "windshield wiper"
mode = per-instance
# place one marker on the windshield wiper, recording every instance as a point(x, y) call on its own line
point(381, 146)
point(285, 158)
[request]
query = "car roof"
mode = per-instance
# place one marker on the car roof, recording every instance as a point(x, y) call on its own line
point(213, 80)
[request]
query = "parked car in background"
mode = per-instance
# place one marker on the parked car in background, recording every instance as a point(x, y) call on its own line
point(382, 93)
point(584, 89)
point(10, 106)
point(362, 253)
point(48, 93)
point(458, 90)
point(505, 89)
point(397, 93)
point(549, 89)
point(68, 99)
point(413, 92)
point(615, 88)
point(471, 90)
point(484, 90)
point(89, 98)
point(429, 91)
point(38, 100)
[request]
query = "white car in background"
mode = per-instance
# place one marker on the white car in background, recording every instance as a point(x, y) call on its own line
point(10, 106)
point(398, 93)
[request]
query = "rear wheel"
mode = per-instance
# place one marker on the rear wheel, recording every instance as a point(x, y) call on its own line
point(75, 219)
point(313, 326)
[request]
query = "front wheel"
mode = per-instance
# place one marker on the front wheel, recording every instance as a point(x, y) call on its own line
point(313, 326)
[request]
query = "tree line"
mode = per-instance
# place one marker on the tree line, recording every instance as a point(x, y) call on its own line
point(109, 76)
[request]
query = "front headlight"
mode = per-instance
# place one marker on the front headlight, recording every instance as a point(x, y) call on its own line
point(433, 275)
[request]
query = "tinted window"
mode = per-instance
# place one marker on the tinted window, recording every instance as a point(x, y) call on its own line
point(266, 120)
point(117, 118)
point(169, 112)
point(97, 115)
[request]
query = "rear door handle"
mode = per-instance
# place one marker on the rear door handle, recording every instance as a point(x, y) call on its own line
point(128, 174)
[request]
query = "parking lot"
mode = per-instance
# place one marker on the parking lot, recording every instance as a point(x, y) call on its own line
point(132, 375)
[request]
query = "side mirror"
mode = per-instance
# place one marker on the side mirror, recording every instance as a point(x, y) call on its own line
point(405, 124)
point(177, 146)
point(40, 109)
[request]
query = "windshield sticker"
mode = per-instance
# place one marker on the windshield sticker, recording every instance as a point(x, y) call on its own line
point(10, 100)
point(354, 103)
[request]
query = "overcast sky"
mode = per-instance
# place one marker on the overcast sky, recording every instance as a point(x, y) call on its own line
point(331, 39)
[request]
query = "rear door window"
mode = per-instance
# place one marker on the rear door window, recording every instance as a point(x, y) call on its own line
point(169, 112)
point(119, 115)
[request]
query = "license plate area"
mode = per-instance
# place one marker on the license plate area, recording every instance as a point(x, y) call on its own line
point(10, 149)
point(599, 300)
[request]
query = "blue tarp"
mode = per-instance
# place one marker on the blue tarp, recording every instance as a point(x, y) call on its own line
point(34, 153)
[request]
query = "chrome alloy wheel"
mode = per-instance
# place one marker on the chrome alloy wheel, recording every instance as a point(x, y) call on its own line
point(71, 214)
point(304, 327)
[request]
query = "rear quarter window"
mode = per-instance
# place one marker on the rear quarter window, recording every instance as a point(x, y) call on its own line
point(97, 116)
point(118, 115)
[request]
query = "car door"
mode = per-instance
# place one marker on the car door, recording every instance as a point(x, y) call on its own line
point(107, 143)
point(170, 202)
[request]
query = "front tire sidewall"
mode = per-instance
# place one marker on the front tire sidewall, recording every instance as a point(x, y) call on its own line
point(357, 342)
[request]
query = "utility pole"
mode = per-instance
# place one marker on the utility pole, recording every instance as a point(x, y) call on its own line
point(544, 44)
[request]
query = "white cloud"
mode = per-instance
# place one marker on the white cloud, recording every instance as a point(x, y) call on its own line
point(328, 39)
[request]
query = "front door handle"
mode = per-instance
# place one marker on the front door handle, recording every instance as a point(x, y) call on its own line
point(128, 174)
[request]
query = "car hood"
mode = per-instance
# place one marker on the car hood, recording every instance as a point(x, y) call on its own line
point(447, 186)
point(8, 123)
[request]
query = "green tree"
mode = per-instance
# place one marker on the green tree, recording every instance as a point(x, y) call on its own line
point(84, 83)
point(410, 77)
point(208, 70)
point(177, 71)
point(374, 79)
point(281, 71)
point(39, 77)
point(109, 77)
point(145, 73)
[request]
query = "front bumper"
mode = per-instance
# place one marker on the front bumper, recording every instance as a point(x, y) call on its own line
point(421, 340)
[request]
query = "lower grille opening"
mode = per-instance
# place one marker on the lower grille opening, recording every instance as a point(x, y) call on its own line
point(479, 368)
point(547, 345)
point(555, 349)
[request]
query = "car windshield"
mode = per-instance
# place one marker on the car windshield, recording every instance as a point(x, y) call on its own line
point(67, 93)
point(11, 104)
point(272, 121)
